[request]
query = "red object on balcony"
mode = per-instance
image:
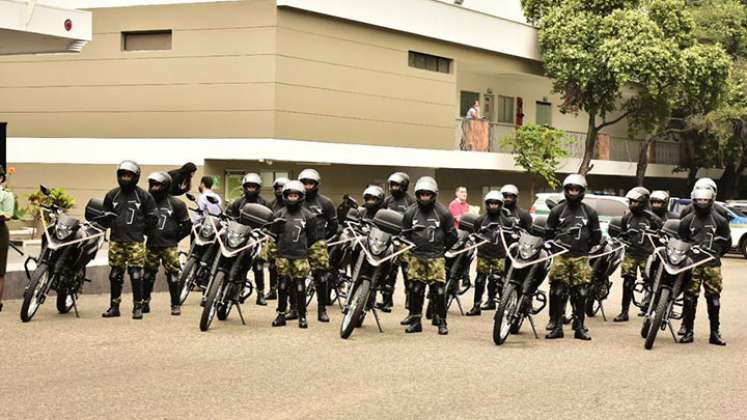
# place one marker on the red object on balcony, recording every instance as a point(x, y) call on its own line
point(68, 25)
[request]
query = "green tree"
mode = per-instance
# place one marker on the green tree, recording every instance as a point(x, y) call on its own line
point(613, 58)
point(539, 149)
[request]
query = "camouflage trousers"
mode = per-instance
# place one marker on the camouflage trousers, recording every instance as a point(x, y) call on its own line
point(709, 277)
point(573, 271)
point(489, 266)
point(319, 256)
point(169, 256)
point(292, 269)
point(269, 251)
point(427, 270)
point(632, 265)
point(126, 254)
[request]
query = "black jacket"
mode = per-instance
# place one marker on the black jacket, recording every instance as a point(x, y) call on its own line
point(399, 205)
point(640, 245)
point(297, 233)
point(718, 208)
point(517, 216)
point(173, 223)
point(710, 232)
point(576, 227)
point(234, 209)
point(494, 248)
point(136, 214)
point(325, 210)
point(438, 235)
point(277, 204)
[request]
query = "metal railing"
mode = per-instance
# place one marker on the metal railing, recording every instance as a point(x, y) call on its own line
point(484, 136)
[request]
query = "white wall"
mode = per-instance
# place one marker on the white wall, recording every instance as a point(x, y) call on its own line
point(507, 9)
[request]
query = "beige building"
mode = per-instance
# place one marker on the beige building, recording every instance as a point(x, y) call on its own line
point(355, 88)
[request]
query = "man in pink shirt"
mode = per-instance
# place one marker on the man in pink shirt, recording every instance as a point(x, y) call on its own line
point(459, 206)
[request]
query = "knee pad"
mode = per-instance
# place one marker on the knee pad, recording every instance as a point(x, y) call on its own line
point(172, 278)
point(559, 290)
point(300, 285)
point(713, 299)
point(439, 290)
point(116, 275)
point(629, 282)
point(150, 275)
point(417, 288)
point(580, 291)
point(136, 273)
point(283, 283)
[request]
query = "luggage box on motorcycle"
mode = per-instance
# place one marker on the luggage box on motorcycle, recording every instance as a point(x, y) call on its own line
point(95, 212)
point(539, 226)
point(255, 215)
point(614, 229)
point(672, 228)
point(389, 221)
point(467, 222)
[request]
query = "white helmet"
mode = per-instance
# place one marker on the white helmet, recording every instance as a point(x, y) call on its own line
point(706, 183)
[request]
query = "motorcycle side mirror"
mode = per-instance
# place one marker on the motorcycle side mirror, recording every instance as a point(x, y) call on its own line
point(190, 197)
point(44, 190)
point(551, 203)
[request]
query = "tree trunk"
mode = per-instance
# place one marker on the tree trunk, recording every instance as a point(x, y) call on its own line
point(727, 184)
point(531, 187)
point(692, 176)
point(591, 140)
point(640, 171)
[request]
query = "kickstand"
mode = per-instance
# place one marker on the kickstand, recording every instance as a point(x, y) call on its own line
point(671, 330)
point(531, 324)
point(376, 317)
point(459, 304)
point(75, 305)
point(601, 309)
point(238, 309)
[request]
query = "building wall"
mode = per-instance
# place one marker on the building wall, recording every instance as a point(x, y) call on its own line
point(216, 81)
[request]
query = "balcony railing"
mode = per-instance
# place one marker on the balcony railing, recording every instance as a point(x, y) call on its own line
point(484, 136)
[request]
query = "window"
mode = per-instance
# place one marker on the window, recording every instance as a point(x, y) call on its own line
point(466, 100)
point(146, 40)
point(506, 109)
point(429, 62)
point(544, 113)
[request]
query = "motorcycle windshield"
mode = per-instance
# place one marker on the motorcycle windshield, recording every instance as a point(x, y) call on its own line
point(378, 241)
point(677, 250)
point(529, 245)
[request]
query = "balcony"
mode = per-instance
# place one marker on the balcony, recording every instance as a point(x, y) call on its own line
point(484, 136)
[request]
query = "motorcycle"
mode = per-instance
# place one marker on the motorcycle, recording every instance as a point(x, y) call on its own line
point(383, 242)
point(605, 258)
point(240, 243)
point(196, 269)
point(458, 260)
point(67, 247)
point(672, 265)
point(530, 259)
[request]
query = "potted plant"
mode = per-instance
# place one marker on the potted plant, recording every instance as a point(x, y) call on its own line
point(58, 196)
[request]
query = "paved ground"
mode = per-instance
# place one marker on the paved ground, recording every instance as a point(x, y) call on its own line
point(164, 367)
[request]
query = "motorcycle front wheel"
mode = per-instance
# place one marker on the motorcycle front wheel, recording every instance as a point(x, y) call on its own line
point(64, 301)
point(188, 278)
point(211, 301)
point(657, 323)
point(357, 305)
point(504, 316)
point(35, 293)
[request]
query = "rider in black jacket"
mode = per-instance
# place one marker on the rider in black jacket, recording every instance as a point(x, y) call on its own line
point(162, 246)
point(136, 216)
point(431, 228)
point(575, 226)
point(707, 229)
point(399, 201)
point(268, 252)
point(634, 226)
point(252, 185)
point(660, 205)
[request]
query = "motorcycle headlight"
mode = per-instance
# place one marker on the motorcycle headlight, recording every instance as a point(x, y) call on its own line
point(207, 230)
point(376, 245)
point(527, 251)
point(234, 239)
point(61, 232)
point(676, 256)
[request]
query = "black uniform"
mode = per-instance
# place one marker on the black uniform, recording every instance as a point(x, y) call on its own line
point(136, 216)
point(711, 232)
point(633, 226)
point(399, 204)
point(234, 210)
point(718, 208)
point(326, 213)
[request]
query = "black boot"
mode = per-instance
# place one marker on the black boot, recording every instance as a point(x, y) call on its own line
point(149, 279)
point(627, 296)
point(136, 278)
point(579, 312)
point(116, 280)
point(439, 295)
point(300, 299)
point(174, 291)
point(558, 293)
point(477, 299)
point(137, 310)
point(279, 320)
point(492, 291)
point(259, 282)
point(416, 307)
point(273, 293)
point(688, 319)
point(442, 328)
point(714, 307)
point(320, 283)
point(293, 313)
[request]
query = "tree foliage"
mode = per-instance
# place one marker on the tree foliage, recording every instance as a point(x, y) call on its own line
point(539, 150)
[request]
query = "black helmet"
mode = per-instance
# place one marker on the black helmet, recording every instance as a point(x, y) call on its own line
point(131, 167)
point(574, 180)
point(638, 199)
point(426, 184)
point(398, 183)
point(310, 176)
point(252, 178)
point(293, 187)
point(493, 197)
point(278, 185)
point(373, 197)
point(163, 180)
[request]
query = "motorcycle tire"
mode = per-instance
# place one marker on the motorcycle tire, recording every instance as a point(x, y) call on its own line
point(356, 309)
point(504, 315)
point(211, 301)
point(64, 301)
point(188, 278)
point(33, 296)
point(656, 324)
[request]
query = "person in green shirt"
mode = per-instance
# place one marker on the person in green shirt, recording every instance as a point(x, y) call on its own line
point(7, 203)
